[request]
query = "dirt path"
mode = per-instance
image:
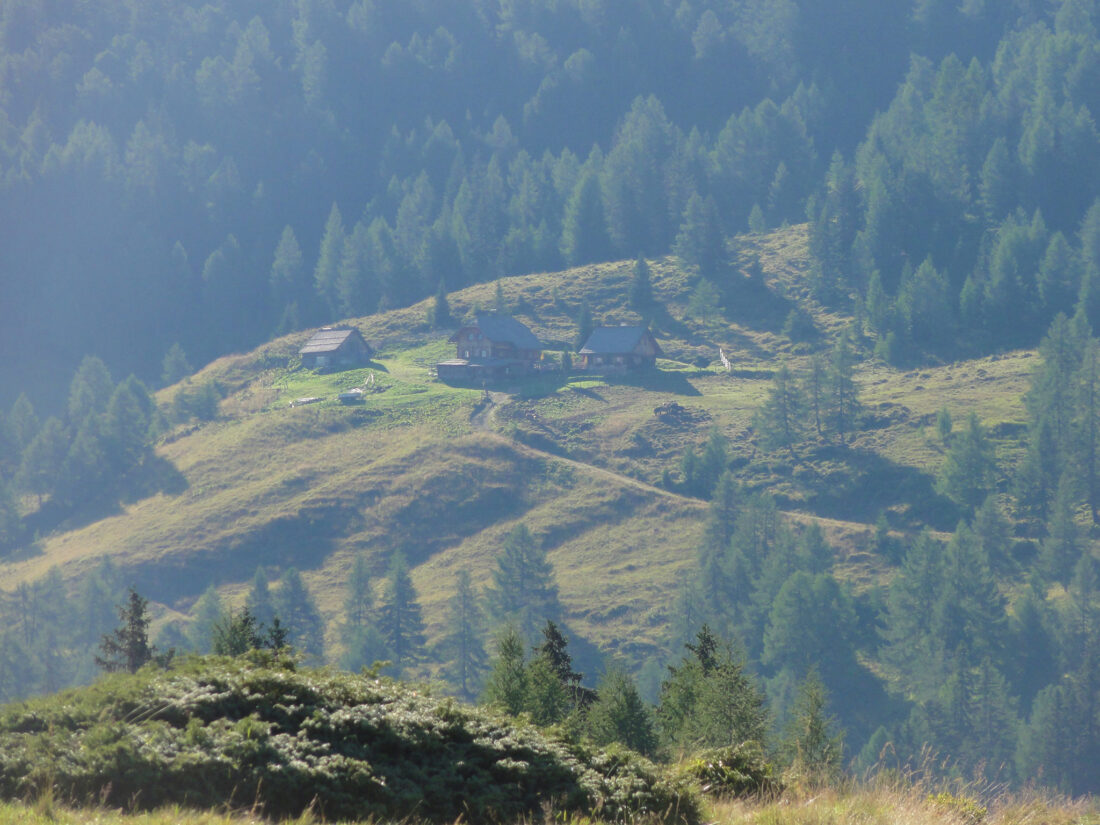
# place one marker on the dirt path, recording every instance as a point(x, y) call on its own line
point(484, 415)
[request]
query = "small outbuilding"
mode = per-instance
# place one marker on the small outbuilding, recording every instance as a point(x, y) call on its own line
point(493, 346)
point(618, 349)
point(336, 347)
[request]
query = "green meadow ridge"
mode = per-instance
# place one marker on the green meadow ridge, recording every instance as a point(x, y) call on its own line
point(428, 469)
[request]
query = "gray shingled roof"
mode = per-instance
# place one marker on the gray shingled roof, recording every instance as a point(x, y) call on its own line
point(613, 340)
point(326, 340)
point(506, 328)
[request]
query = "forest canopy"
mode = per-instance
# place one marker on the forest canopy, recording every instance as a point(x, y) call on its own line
point(166, 166)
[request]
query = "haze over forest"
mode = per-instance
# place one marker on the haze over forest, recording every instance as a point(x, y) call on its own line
point(886, 211)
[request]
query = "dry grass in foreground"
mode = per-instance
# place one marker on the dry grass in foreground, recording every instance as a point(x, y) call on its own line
point(914, 805)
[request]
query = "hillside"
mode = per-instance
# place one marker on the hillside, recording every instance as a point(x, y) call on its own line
point(579, 462)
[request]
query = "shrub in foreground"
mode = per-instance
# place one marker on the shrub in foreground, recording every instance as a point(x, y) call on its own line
point(259, 730)
point(734, 771)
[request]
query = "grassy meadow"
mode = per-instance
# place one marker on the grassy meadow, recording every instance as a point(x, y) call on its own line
point(867, 805)
point(431, 470)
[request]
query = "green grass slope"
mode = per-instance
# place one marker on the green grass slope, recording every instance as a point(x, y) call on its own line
point(431, 470)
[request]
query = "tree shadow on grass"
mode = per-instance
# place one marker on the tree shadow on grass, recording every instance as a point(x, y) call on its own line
point(588, 392)
point(656, 380)
point(155, 475)
point(857, 485)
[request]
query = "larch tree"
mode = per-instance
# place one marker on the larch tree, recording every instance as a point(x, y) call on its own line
point(781, 420)
point(358, 597)
point(40, 470)
point(641, 288)
point(462, 648)
point(287, 279)
point(206, 613)
point(89, 391)
point(523, 591)
point(297, 613)
point(584, 229)
point(259, 602)
point(23, 424)
point(175, 366)
point(969, 469)
point(399, 617)
point(842, 391)
point(327, 271)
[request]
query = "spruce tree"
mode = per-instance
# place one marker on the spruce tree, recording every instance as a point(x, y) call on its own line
point(554, 649)
point(709, 700)
point(546, 699)
point(620, 715)
point(128, 648)
point(236, 633)
point(506, 687)
point(812, 744)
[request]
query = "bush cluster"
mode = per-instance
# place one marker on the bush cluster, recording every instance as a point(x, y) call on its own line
point(259, 730)
point(734, 771)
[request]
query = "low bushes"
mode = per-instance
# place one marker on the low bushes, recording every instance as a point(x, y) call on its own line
point(259, 730)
